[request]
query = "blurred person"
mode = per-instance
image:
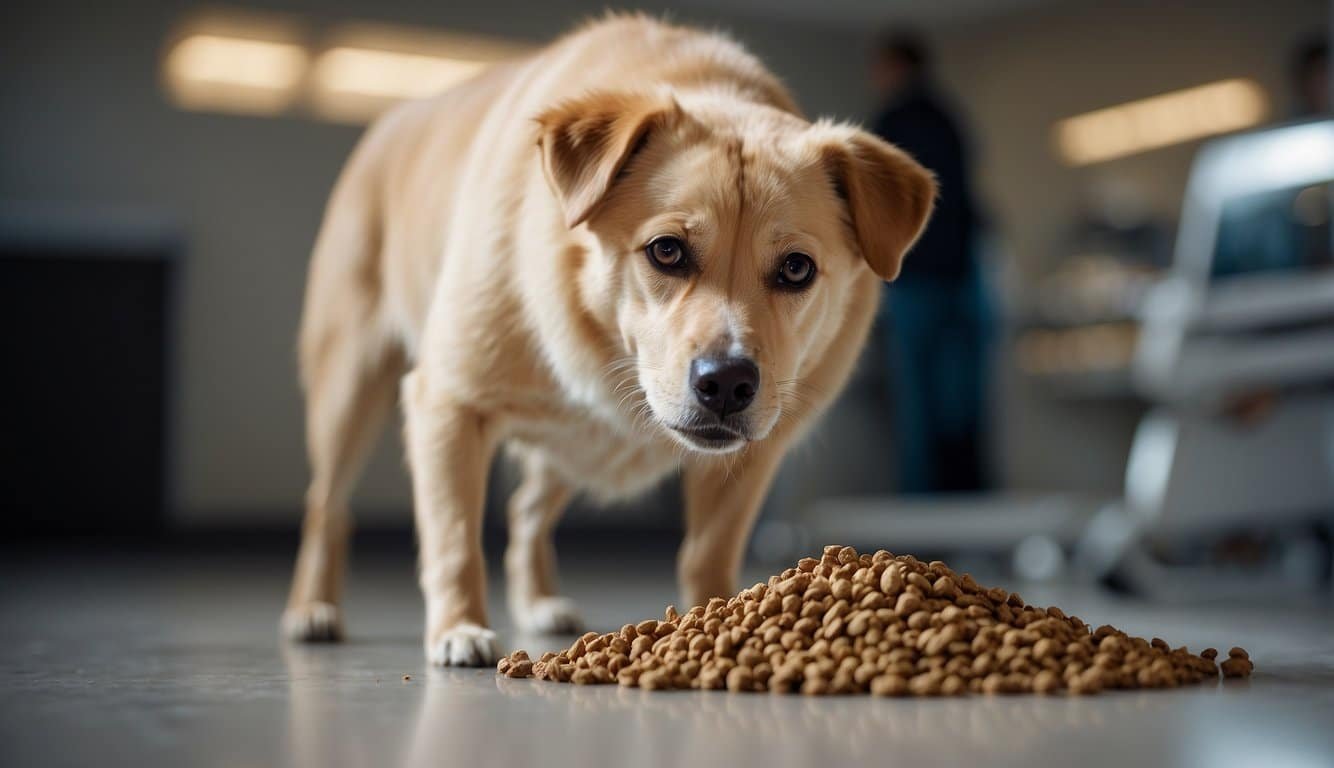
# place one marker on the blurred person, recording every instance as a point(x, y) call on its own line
point(936, 312)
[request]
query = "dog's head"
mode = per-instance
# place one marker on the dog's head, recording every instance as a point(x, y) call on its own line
point(729, 237)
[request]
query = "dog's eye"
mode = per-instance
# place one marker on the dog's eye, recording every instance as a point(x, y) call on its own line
point(797, 271)
point(667, 254)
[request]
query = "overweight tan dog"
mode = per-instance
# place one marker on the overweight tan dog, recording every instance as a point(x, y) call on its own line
point(625, 255)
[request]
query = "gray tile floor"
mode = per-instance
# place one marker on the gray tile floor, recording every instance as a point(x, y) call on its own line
point(176, 661)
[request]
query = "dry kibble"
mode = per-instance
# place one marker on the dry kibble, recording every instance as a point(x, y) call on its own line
point(907, 604)
point(794, 585)
point(1237, 666)
point(891, 581)
point(889, 685)
point(641, 645)
point(925, 685)
point(740, 679)
point(994, 683)
point(517, 664)
point(884, 624)
point(1046, 681)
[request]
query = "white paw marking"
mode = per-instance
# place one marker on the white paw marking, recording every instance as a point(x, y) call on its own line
point(550, 616)
point(466, 645)
point(314, 622)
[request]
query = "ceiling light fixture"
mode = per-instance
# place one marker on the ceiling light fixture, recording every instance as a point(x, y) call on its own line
point(1160, 121)
point(234, 74)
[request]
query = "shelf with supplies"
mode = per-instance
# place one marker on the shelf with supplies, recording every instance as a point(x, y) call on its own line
point(1077, 330)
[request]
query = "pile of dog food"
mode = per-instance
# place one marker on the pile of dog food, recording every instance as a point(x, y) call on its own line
point(892, 626)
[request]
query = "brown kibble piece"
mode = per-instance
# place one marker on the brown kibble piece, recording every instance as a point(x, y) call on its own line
point(793, 586)
point(740, 679)
point(881, 624)
point(907, 604)
point(889, 685)
point(891, 581)
point(1046, 681)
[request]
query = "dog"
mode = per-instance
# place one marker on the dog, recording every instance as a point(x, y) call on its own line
point(624, 256)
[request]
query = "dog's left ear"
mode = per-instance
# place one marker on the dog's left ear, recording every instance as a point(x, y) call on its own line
point(888, 194)
point(585, 142)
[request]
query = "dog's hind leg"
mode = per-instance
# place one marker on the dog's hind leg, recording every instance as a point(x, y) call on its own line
point(530, 558)
point(347, 401)
point(350, 370)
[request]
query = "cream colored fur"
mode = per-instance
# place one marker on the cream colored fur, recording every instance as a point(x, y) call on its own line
point(482, 261)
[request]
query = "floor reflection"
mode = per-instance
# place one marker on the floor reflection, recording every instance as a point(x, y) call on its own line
point(333, 719)
point(587, 724)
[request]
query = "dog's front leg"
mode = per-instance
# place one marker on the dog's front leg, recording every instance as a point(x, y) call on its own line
point(723, 497)
point(450, 446)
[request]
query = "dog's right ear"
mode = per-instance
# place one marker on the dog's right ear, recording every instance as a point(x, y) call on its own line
point(586, 141)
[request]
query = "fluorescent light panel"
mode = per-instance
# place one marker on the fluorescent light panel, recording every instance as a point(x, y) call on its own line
point(353, 84)
point(259, 64)
point(365, 68)
point(388, 74)
point(1160, 121)
point(234, 74)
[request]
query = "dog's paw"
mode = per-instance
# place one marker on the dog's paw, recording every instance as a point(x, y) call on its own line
point(549, 616)
point(313, 622)
point(466, 645)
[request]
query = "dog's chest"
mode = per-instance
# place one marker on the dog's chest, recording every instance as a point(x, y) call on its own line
point(601, 459)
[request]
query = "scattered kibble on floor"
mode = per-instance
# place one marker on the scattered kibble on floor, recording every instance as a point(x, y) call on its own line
point(888, 625)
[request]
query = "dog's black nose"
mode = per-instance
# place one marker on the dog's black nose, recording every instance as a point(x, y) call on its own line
point(724, 385)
